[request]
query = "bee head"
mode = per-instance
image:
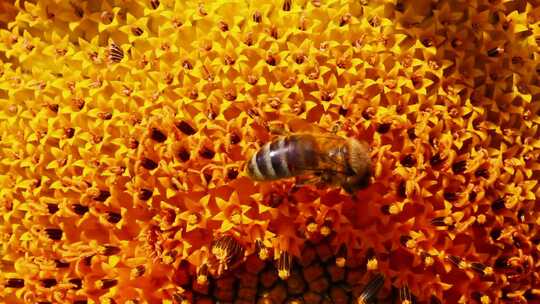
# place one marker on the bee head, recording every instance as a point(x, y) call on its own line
point(357, 182)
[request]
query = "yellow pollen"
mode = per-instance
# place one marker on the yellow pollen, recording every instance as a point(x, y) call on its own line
point(481, 219)
point(284, 274)
point(220, 253)
point(192, 219)
point(372, 264)
point(167, 259)
point(202, 279)
point(393, 209)
point(311, 227)
point(263, 254)
point(325, 230)
point(410, 244)
point(236, 218)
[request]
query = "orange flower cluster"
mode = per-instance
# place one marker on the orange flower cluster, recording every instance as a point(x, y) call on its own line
point(125, 126)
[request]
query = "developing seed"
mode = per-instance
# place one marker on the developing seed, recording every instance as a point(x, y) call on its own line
point(145, 194)
point(69, 132)
point(107, 283)
point(482, 172)
point(459, 166)
point(232, 173)
point(157, 135)
point(408, 161)
point(80, 209)
point(53, 208)
point(77, 282)
point(113, 217)
point(368, 113)
point(61, 264)
point(48, 283)
point(148, 164)
point(383, 128)
point(186, 128)
point(207, 153)
point(184, 155)
point(450, 196)
point(54, 233)
point(15, 283)
point(411, 133)
point(498, 204)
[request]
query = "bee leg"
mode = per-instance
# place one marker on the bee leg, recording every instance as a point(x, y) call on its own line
point(302, 182)
point(295, 187)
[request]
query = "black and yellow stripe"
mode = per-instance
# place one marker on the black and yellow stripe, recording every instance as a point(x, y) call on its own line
point(282, 158)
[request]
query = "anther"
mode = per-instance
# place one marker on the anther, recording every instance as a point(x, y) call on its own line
point(284, 265)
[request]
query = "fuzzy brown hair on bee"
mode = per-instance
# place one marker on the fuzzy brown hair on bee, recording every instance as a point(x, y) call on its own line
point(328, 159)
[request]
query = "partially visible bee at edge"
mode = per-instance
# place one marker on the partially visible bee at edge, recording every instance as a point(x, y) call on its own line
point(329, 159)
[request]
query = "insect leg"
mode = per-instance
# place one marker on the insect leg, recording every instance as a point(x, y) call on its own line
point(301, 182)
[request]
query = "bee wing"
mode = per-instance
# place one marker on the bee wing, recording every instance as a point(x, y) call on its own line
point(329, 155)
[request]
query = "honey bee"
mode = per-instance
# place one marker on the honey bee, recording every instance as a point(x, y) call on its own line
point(327, 159)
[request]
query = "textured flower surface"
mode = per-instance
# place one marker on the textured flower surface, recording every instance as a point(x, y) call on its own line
point(125, 125)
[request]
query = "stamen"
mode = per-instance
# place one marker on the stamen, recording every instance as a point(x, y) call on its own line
point(372, 264)
point(262, 251)
point(116, 54)
point(341, 256)
point(460, 263)
point(405, 295)
point(284, 265)
point(226, 250)
point(481, 268)
point(202, 275)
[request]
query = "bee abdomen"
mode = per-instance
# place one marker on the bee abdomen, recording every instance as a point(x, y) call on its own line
point(278, 158)
point(270, 162)
point(282, 158)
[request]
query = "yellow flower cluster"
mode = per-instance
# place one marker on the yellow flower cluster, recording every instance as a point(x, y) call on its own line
point(125, 125)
